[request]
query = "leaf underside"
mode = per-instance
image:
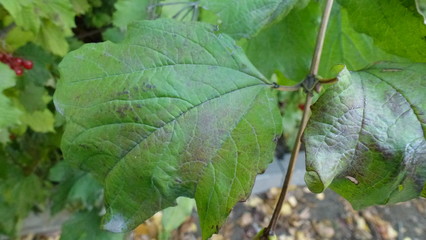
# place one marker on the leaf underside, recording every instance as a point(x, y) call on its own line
point(174, 110)
point(366, 136)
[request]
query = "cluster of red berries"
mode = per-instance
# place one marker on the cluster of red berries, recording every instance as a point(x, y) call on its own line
point(17, 64)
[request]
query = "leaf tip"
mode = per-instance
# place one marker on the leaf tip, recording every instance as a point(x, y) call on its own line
point(313, 181)
point(115, 223)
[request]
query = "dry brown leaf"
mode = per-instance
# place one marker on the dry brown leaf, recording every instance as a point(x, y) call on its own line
point(292, 201)
point(254, 201)
point(217, 237)
point(286, 209)
point(320, 196)
point(245, 220)
point(305, 214)
point(324, 229)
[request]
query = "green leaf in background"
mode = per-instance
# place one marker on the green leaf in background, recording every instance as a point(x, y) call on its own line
point(18, 194)
point(421, 8)
point(9, 114)
point(16, 38)
point(80, 6)
point(113, 34)
point(44, 63)
point(423, 194)
point(33, 97)
point(245, 18)
point(174, 110)
point(85, 225)
point(51, 21)
point(39, 121)
point(366, 136)
point(185, 10)
point(52, 38)
point(128, 11)
point(343, 45)
point(76, 189)
point(23, 13)
point(394, 25)
point(100, 14)
point(173, 217)
point(289, 45)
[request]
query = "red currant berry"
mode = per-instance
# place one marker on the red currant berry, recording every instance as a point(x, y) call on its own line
point(18, 71)
point(301, 107)
point(18, 61)
point(8, 57)
point(27, 64)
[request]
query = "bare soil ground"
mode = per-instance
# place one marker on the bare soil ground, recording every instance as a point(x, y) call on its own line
point(304, 216)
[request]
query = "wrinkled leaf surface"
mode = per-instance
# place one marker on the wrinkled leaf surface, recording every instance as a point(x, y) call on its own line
point(174, 110)
point(366, 136)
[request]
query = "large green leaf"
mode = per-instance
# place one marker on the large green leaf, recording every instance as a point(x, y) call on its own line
point(289, 45)
point(366, 136)
point(394, 25)
point(245, 18)
point(174, 110)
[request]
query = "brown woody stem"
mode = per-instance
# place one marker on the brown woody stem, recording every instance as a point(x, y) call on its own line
point(294, 154)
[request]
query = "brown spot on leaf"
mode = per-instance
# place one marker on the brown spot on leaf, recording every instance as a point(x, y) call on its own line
point(148, 87)
point(121, 110)
point(84, 146)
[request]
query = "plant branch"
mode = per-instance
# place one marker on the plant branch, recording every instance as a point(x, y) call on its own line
point(291, 164)
point(171, 3)
point(320, 38)
point(309, 84)
point(287, 88)
point(189, 8)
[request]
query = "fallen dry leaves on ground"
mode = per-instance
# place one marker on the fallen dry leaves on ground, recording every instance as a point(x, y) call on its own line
point(304, 216)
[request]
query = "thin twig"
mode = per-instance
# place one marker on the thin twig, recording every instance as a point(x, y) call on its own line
point(306, 112)
point(195, 13)
point(328, 80)
point(320, 38)
point(291, 164)
point(171, 3)
point(287, 88)
point(181, 10)
point(186, 14)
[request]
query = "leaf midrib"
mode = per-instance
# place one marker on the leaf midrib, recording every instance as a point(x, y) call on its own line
point(173, 120)
point(167, 66)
